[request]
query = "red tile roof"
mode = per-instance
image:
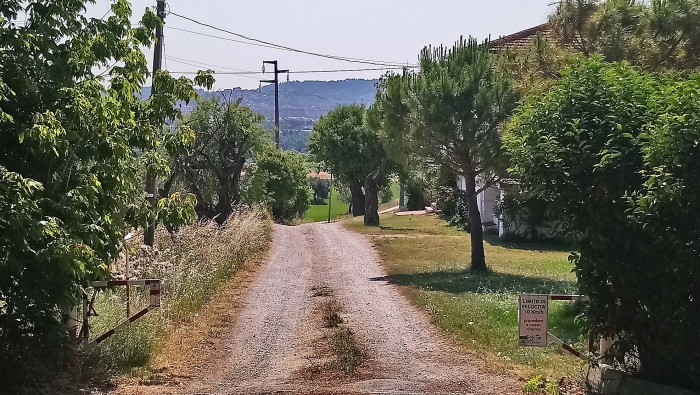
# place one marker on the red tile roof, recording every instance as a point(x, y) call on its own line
point(520, 38)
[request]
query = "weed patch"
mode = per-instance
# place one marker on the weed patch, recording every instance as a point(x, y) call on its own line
point(321, 290)
point(348, 356)
point(330, 313)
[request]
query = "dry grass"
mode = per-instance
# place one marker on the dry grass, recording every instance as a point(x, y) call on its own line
point(330, 313)
point(321, 290)
point(193, 269)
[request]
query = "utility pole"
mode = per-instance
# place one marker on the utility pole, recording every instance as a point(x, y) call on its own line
point(330, 199)
point(277, 97)
point(149, 234)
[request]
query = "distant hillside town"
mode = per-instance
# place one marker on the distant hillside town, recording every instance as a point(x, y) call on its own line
point(302, 103)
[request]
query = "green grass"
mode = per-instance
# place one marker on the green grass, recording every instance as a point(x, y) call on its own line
point(430, 260)
point(319, 212)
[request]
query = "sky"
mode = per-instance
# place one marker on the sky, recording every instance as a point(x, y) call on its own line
point(381, 30)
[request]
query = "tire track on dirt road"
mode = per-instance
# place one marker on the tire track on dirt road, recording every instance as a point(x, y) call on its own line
point(269, 343)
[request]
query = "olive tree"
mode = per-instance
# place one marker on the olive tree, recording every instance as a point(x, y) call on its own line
point(225, 133)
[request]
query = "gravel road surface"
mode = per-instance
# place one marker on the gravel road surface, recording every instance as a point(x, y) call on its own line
point(272, 340)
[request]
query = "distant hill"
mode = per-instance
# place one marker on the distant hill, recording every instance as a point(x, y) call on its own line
point(298, 99)
point(302, 103)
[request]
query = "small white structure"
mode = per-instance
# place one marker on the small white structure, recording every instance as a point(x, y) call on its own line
point(486, 200)
point(492, 222)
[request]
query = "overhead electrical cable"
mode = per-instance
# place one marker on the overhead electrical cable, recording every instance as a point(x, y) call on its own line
point(292, 72)
point(221, 38)
point(198, 64)
point(283, 47)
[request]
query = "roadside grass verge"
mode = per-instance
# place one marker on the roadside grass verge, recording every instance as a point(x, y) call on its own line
point(192, 270)
point(430, 260)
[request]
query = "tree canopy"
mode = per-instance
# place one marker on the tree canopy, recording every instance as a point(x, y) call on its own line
point(657, 34)
point(71, 131)
point(613, 150)
point(348, 149)
point(278, 180)
point(449, 113)
point(226, 133)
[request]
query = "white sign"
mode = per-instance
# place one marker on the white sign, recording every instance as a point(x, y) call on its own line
point(532, 319)
point(155, 294)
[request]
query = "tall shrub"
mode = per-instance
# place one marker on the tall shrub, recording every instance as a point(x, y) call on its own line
point(278, 181)
point(72, 127)
point(614, 151)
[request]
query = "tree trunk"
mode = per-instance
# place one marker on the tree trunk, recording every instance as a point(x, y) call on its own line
point(229, 185)
point(372, 194)
point(477, 233)
point(358, 198)
point(371, 201)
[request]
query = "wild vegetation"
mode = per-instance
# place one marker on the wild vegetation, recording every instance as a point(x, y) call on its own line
point(192, 269)
point(72, 132)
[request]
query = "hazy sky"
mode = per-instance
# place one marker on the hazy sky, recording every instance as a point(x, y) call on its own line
point(384, 30)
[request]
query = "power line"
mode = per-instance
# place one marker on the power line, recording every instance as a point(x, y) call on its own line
point(198, 64)
point(221, 38)
point(241, 73)
point(283, 47)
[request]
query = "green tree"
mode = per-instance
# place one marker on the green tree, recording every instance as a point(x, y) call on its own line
point(278, 180)
point(449, 113)
point(71, 130)
point(613, 151)
point(321, 188)
point(350, 150)
point(656, 34)
point(225, 134)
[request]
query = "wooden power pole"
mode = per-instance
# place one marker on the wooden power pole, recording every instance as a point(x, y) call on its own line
point(277, 97)
point(149, 234)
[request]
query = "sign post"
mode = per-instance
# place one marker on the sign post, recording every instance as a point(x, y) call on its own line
point(532, 320)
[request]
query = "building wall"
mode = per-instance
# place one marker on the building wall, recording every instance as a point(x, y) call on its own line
point(486, 201)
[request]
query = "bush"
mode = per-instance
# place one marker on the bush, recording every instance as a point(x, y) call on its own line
point(191, 269)
point(278, 181)
point(454, 208)
point(385, 193)
point(522, 214)
point(415, 196)
point(321, 190)
point(615, 152)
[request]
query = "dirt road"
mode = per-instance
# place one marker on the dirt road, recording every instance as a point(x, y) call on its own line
point(274, 340)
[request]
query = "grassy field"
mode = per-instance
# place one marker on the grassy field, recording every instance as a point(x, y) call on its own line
point(430, 260)
point(319, 212)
